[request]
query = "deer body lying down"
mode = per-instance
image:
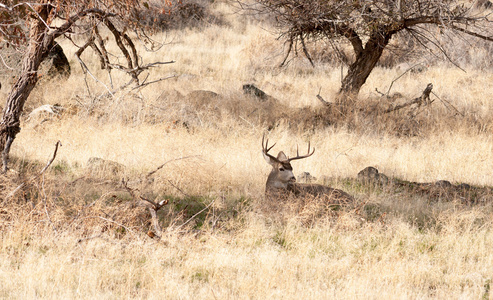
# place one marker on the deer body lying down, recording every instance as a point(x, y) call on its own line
point(282, 183)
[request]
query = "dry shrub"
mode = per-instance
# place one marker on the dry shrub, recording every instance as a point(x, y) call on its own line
point(54, 205)
point(371, 116)
point(201, 109)
point(110, 214)
point(88, 204)
point(206, 109)
point(465, 221)
point(60, 200)
point(189, 13)
point(305, 211)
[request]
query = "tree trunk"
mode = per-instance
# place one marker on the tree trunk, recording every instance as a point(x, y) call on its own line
point(365, 62)
point(37, 50)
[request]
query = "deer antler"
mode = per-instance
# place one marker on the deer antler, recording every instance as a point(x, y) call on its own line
point(308, 154)
point(265, 149)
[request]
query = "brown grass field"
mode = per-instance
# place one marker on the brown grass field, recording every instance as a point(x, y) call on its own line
point(76, 232)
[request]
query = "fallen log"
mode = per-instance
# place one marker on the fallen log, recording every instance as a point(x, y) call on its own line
point(423, 99)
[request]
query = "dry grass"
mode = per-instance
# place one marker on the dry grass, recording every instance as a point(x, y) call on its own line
point(76, 233)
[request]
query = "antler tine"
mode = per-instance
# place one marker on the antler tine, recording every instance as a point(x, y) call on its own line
point(266, 148)
point(266, 145)
point(303, 156)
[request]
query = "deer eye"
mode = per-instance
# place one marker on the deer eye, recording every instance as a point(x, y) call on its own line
point(281, 169)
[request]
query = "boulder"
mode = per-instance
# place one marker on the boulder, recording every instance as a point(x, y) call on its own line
point(54, 65)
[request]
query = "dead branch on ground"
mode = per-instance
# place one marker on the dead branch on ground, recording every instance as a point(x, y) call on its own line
point(423, 99)
point(152, 206)
point(326, 103)
point(11, 194)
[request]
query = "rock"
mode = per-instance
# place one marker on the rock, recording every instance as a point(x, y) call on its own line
point(45, 111)
point(98, 166)
point(413, 68)
point(382, 178)
point(371, 175)
point(443, 184)
point(464, 186)
point(250, 89)
point(55, 64)
point(368, 173)
point(306, 177)
point(202, 95)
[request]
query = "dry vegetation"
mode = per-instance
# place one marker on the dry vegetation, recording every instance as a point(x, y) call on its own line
point(76, 232)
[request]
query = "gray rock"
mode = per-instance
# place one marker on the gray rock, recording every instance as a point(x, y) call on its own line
point(99, 166)
point(306, 177)
point(443, 184)
point(55, 64)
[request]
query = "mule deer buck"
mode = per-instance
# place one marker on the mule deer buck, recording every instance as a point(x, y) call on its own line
point(282, 183)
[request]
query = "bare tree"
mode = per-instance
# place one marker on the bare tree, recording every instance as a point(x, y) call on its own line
point(369, 25)
point(38, 23)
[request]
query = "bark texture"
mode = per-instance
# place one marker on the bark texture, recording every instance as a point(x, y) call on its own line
point(37, 50)
point(366, 59)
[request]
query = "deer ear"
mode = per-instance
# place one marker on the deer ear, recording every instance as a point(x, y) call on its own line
point(281, 156)
point(268, 159)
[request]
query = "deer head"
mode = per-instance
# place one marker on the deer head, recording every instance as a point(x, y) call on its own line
point(282, 171)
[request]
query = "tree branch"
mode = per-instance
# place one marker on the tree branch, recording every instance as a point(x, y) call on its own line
point(355, 40)
point(475, 34)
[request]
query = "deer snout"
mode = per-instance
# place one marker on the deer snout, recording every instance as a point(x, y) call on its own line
point(292, 179)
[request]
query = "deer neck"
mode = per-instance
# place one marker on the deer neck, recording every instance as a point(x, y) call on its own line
point(273, 182)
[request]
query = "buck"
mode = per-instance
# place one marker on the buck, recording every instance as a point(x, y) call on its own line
point(282, 183)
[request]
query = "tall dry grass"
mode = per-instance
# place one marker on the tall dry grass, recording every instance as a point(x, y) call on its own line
point(76, 233)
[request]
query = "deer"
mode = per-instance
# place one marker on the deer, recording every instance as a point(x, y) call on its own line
point(281, 182)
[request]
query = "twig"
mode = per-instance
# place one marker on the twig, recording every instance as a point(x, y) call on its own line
point(193, 217)
point(86, 70)
point(322, 99)
point(448, 103)
point(165, 163)
point(173, 185)
point(5, 64)
point(381, 94)
point(37, 14)
point(155, 205)
point(305, 51)
point(248, 122)
point(154, 81)
point(58, 143)
point(288, 52)
point(35, 176)
point(398, 77)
